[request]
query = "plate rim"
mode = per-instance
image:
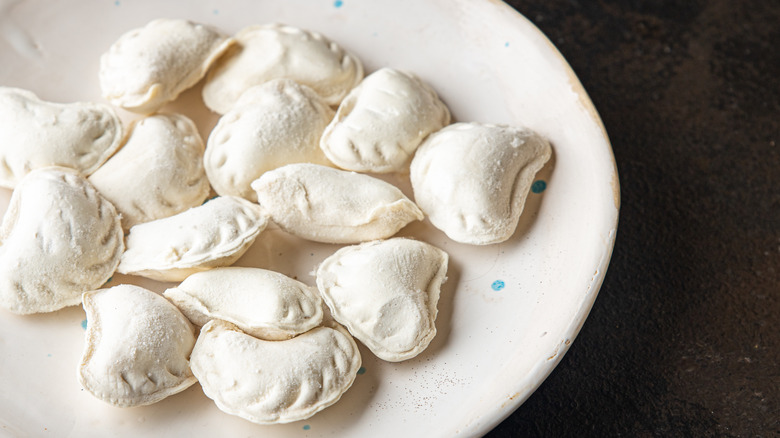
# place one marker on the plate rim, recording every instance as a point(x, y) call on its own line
point(522, 390)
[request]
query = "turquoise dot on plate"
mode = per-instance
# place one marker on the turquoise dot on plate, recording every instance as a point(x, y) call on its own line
point(498, 285)
point(538, 186)
point(361, 370)
point(84, 324)
point(306, 427)
point(338, 3)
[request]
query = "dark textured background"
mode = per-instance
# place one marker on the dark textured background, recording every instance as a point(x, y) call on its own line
point(684, 338)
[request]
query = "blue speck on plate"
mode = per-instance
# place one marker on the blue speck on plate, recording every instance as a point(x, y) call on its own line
point(498, 285)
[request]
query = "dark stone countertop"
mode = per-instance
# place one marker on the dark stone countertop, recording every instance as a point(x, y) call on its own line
point(684, 337)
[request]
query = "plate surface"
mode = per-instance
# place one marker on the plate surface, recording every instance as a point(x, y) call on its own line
point(508, 312)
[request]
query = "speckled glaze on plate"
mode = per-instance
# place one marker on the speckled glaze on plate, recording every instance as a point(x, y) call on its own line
point(508, 312)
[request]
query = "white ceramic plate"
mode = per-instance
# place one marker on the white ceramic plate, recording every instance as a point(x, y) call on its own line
point(508, 312)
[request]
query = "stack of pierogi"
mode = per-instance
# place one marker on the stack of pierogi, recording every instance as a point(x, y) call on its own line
point(302, 137)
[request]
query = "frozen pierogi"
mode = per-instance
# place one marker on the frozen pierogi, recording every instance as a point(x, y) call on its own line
point(277, 123)
point(334, 206)
point(35, 133)
point(265, 304)
point(157, 173)
point(149, 66)
point(386, 293)
point(137, 347)
point(214, 234)
point(382, 121)
point(59, 238)
point(270, 382)
point(472, 179)
point(273, 51)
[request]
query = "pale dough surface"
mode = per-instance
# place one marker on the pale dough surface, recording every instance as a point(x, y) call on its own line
point(265, 304)
point(150, 66)
point(272, 51)
point(60, 238)
point(136, 348)
point(334, 206)
point(214, 234)
point(35, 133)
point(157, 173)
point(279, 122)
point(382, 121)
point(472, 179)
point(386, 293)
point(269, 382)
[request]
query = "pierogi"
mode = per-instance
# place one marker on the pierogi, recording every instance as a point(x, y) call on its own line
point(268, 350)
point(264, 304)
point(214, 234)
point(382, 121)
point(269, 382)
point(386, 293)
point(277, 123)
point(328, 205)
point(137, 347)
point(273, 51)
point(150, 66)
point(157, 173)
point(59, 238)
point(35, 133)
point(472, 179)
